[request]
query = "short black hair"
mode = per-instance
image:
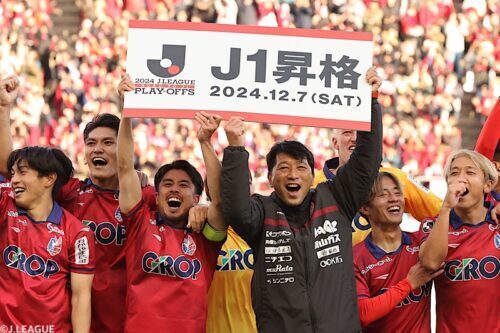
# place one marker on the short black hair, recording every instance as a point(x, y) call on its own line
point(45, 161)
point(185, 166)
point(293, 148)
point(102, 120)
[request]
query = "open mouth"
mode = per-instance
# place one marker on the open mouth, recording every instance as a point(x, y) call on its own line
point(99, 161)
point(351, 148)
point(465, 193)
point(394, 209)
point(19, 190)
point(293, 188)
point(174, 203)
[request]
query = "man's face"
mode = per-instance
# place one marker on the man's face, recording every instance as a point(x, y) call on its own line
point(176, 195)
point(464, 170)
point(291, 179)
point(387, 206)
point(100, 154)
point(344, 141)
point(28, 186)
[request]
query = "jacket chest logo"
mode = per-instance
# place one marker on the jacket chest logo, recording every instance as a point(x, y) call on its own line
point(325, 238)
point(278, 257)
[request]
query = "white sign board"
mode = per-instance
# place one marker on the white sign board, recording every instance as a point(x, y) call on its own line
point(275, 75)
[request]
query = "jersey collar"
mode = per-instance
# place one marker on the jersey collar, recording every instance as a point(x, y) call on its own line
point(88, 183)
point(493, 195)
point(54, 216)
point(378, 253)
point(332, 163)
point(161, 221)
point(456, 222)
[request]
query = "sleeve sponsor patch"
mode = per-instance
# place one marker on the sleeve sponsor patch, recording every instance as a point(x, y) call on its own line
point(82, 251)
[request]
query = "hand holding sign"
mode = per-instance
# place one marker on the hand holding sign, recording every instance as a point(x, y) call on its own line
point(208, 125)
point(235, 130)
point(124, 86)
point(373, 79)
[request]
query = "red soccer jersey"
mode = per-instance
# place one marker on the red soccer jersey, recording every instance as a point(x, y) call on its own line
point(98, 209)
point(169, 272)
point(37, 259)
point(376, 271)
point(468, 293)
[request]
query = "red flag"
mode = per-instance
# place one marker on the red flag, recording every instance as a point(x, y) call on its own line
point(490, 134)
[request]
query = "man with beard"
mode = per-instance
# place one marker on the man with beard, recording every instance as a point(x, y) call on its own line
point(169, 268)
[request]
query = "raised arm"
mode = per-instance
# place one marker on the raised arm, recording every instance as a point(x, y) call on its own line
point(353, 181)
point(130, 185)
point(243, 213)
point(8, 93)
point(208, 125)
point(434, 250)
point(490, 135)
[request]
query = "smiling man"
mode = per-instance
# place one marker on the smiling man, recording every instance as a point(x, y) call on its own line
point(467, 239)
point(95, 202)
point(47, 265)
point(169, 268)
point(393, 288)
point(301, 238)
point(419, 201)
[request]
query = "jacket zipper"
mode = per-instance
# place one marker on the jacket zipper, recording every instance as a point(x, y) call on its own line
point(311, 312)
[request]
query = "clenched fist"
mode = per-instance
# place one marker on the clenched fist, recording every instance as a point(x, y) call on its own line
point(9, 88)
point(235, 130)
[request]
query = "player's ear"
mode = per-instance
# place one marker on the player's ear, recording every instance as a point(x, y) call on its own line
point(270, 178)
point(50, 180)
point(364, 211)
point(335, 141)
point(196, 198)
point(488, 186)
point(156, 198)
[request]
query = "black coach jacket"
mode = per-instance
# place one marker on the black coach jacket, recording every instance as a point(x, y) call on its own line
point(303, 268)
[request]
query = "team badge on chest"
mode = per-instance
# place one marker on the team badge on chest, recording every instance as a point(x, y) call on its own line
point(55, 245)
point(188, 245)
point(497, 241)
point(118, 215)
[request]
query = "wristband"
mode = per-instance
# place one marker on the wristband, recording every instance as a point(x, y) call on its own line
point(213, 235)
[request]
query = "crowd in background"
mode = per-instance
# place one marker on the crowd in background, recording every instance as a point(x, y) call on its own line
point(428, 52)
